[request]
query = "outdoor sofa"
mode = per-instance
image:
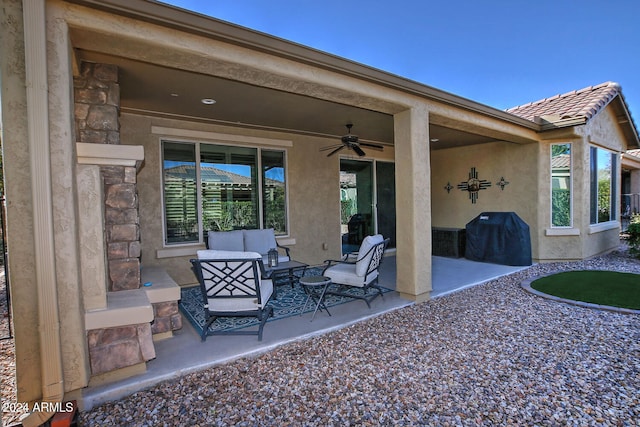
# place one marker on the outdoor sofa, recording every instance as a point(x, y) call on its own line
point(259, 241)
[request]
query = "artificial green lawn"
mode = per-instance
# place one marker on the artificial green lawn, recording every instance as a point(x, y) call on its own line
point(594, 286)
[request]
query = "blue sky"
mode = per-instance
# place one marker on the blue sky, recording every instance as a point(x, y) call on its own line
point(501, 53)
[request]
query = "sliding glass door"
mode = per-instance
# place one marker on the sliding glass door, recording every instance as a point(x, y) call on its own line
point(367, 201)
point(386, 200)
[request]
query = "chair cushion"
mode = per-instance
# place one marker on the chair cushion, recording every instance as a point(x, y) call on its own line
point(367, 244)
point(345, 274)
point(243, 304)
point(226, 240)
point(259, 240)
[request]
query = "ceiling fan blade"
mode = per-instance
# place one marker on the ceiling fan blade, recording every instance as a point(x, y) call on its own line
point(372, 146)
point(358, 150)
point(331, 147)
point(336, 150)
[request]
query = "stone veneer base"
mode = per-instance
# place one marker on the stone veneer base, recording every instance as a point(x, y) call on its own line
point(115, 348)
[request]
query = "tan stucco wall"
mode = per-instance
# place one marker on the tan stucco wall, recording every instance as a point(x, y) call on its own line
point(413, 204)
point(583, 240)
point(603, 131)
point(312, 182)
point(562, 244)
point(492, 162)
point(527, 169)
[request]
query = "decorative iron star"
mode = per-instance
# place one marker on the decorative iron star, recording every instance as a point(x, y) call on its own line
point(502, 183)
point(473, 185)
point(448, 187)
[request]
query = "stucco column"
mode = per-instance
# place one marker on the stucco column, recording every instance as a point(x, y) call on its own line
point(413, 204)
point(90, 230)
point(71, 248)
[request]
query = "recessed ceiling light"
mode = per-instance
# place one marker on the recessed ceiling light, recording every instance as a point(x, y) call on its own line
point(175, 95)
point(434, 140)
point(208, 101)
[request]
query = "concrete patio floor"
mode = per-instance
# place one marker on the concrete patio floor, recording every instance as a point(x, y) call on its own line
point(185, 353)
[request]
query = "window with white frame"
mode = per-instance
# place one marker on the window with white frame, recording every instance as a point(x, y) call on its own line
point(603, 172)
point(219, 187)
point(561, 200)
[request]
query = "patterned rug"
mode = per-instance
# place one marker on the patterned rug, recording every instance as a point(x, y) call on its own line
point(289, 303)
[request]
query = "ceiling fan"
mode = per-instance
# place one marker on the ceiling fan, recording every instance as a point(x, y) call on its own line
point(351, 141)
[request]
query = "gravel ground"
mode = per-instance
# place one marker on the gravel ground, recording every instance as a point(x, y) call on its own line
point(7, 357)
point(489, 355)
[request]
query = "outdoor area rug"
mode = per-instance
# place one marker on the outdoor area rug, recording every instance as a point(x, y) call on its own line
point(290, 302)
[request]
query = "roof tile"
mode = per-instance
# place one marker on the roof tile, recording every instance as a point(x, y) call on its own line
point(583, 103)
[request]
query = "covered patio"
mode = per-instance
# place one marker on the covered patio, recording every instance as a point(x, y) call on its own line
point(185, 353)
point(128, 165)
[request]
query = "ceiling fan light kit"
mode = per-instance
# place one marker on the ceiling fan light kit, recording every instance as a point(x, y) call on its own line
point(350, 141)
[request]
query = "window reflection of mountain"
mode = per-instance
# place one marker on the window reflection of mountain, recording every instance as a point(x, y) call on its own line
point(210, 174)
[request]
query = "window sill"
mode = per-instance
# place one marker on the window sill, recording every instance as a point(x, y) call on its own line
point(605, 226)
point(286, 241)
point(562, 232)
point(179, 251)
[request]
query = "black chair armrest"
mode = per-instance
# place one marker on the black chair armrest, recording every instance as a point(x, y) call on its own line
point(286, 249)
point(264, 273)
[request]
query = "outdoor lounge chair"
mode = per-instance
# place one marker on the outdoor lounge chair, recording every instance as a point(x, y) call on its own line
point(358, 270)
point(232, 285)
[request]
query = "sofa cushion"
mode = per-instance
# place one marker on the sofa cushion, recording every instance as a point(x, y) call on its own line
point(363, 253)
point(259, 240)
point(226, 240)
point(214, 254)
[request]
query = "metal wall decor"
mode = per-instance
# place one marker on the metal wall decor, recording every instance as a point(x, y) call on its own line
point(473, 185)
point(448, 187)
point(502, 183)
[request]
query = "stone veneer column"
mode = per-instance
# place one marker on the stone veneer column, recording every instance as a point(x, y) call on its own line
point(97, 100)
point(114, 345)
point(122, 227)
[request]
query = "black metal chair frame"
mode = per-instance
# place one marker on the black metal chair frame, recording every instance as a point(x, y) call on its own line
point(374, 263)
point(231, 279)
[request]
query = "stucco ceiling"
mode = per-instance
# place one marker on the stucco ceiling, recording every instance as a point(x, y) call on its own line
point(153, 89)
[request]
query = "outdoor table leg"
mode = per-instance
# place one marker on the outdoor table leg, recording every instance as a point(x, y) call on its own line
point(312, 283)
